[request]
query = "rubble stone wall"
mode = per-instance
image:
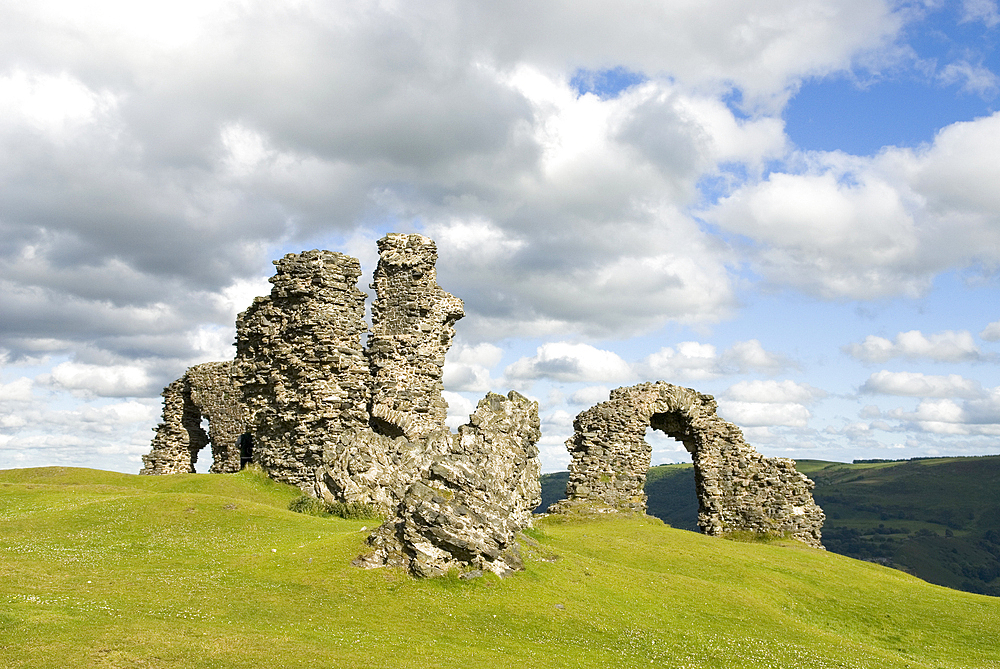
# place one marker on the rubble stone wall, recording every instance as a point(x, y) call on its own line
point(299, 364)
point(467, 507)
point(205, 391)
point(738, 488)
point(219, 399)
point(412, 329)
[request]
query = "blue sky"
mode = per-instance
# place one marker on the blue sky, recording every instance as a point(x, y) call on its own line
point(791, 205)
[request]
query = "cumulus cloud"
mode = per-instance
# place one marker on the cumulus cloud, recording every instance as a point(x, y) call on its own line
point(914, 384)
point(757, 414)
point(771, 391)
point(18, 390)
point(991, 332)
point(947, 346)
point(696, 361)
point(99, 380)
point(459, 409)
point(563, 361)
point(467, 368)
point(840, 226)
point(590, 396)
point(945, 416)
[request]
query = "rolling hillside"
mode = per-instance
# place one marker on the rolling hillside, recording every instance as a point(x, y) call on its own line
point(111, 570)
point(938, 519)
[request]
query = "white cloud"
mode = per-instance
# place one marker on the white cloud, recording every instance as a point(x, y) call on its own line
point(590, 396)
point(840, 226)
point(563, 361)
point(973, 78)
point(774, 392)
point(100, 380)
point(18, 390)
point(979, 416)
point(689, 360)
point(947, 346)
point(911, 384)
point(991, 332)
point(980, 10)
point(467, 368)
point(459, 409)
point(750, 356)
point(696, 361)
point(757, 414)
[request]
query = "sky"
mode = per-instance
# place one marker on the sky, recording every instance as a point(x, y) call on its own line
point(792, 205)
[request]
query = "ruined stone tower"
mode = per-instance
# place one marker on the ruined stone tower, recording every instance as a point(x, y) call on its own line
point(348, 424)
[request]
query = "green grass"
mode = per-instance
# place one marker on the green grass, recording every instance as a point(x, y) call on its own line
point(109, 570)
point(936, 518)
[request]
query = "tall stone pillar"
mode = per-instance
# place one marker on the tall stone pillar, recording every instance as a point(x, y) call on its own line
point(412, 328)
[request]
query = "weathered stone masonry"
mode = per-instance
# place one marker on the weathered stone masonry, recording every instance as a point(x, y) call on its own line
point(738, 488)
point(349, 424)
point(353, 425)
point(207, 390)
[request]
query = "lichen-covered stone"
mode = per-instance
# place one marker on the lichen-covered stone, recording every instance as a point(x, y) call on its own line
point(467, 508)
point(738, 488)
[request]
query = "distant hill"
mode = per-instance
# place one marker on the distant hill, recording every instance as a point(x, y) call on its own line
point(99, 569)
point(936, 518)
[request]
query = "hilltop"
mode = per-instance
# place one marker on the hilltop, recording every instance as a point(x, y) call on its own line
point(196, 570)
point(936, 518)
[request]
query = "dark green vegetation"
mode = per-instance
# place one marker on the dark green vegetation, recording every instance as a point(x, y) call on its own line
point(317, 507)
point(110, 570)
point(936, 518)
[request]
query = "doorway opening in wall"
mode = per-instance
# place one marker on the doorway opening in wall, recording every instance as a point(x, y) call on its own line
point(670, 482)
point(205, 457)
point(245, 444)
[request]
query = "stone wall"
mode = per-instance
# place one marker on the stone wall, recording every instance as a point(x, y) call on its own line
point(205, 391)
point(304, 378)
point(738, 488)
point(412, 328)
point(467, 507)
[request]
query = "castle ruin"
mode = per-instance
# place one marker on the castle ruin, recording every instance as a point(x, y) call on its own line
point(345, 423)
point(738, 488)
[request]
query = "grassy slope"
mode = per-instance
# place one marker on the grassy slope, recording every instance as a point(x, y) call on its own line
point(936, 518)
point(110, 570)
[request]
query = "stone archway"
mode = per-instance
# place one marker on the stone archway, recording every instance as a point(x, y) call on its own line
point(208, 391)
point(738, 488)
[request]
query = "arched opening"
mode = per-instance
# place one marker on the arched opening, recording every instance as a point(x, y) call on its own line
point(670, 491)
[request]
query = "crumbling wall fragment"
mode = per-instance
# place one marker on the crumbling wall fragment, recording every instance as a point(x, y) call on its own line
point(299, 364)
point(204, 391)
point(412, 328)
point(179, 437)
point(219, 399)
point(738, 488)
point(467, 508)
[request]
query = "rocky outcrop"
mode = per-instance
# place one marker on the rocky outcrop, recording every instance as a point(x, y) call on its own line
point(738, 488)
point(466, 509)
point(205, 391)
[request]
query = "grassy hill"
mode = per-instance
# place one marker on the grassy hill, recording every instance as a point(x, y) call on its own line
point(936, 518)
point(110, 570)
